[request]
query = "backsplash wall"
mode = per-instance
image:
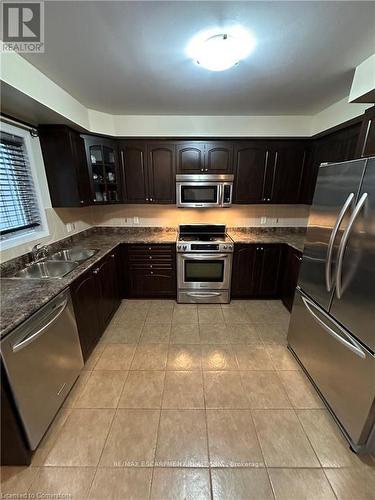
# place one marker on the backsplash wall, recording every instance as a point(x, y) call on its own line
point(57, 219)
point(160, 216)
point(169, 216)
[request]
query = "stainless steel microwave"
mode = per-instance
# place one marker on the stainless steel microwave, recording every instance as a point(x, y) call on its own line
point(204, 191)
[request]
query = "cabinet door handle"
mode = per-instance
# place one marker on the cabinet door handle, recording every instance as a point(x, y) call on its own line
point(150, 199)
point(112, 256)
point(146, 199)
point(95, 271)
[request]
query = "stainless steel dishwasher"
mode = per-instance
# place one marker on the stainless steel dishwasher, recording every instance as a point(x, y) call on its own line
point(43, 359)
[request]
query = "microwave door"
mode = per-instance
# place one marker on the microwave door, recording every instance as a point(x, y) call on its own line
point(198, 194)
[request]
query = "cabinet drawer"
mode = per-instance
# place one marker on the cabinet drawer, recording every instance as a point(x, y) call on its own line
point(136, 249)
point(148, 265)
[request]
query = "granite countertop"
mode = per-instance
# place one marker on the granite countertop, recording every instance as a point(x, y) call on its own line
point(20, 298)
point(293, 239)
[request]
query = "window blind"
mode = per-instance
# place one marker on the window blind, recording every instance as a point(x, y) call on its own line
point(19, 208)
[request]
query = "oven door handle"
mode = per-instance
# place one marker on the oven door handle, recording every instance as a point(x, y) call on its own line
point(203, 295)
point(206, 257)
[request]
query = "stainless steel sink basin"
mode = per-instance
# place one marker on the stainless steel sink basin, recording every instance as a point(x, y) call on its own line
point(73, 254)
point(46, 269)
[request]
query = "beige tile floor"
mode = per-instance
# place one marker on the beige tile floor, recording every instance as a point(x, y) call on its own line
point(194, 402)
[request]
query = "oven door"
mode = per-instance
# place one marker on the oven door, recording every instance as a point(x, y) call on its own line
point(204, 271)
point(199, 194)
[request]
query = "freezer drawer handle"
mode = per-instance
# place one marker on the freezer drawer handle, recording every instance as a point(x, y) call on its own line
point(34, 335)
point(347, 343)
point(344, 242)
point(332, 238)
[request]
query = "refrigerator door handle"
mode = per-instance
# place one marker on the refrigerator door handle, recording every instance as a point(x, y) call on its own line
point(347, 342)
point(344, 242)
point(328, 267)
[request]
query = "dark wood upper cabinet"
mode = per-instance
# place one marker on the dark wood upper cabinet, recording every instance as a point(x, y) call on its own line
point(287, 159)
point(268, 171)
point(66, 167)
point(190, 158)
point(134, 167)
point(337, 146)
point(366, 140)
point(161, 172)
point(149, 171)
point(250, 163)
point(218, 158)
point(104, 169)
point(205, 157)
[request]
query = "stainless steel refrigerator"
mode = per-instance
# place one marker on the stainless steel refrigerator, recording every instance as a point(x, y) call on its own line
point(332, 327)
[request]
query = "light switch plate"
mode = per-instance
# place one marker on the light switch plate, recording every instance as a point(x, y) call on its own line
point(136, 220)
point(263, 220)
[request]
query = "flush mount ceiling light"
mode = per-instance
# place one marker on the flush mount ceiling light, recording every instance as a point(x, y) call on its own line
point(218, 50)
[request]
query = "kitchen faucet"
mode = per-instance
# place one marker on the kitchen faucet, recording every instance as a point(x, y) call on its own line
point(39, 253)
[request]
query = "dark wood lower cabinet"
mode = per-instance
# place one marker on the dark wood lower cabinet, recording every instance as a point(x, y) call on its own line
point(14, 447)
point(96, 297)
point(292, 264)
point(150, 271)
point(256, 270)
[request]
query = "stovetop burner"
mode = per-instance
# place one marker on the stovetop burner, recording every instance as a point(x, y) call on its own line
point(203, 238)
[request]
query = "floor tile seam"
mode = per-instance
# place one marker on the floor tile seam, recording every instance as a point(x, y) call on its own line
point(284, 387)
point(158, 429)
point(207, 436)
point(115, 411)
point(307, 437)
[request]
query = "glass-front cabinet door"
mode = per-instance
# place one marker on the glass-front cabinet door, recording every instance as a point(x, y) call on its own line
point(102, 160)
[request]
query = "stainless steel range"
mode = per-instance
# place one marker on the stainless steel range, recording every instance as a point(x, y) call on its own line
point(204, 263)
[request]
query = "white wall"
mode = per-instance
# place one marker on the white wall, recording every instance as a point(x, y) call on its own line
point(363, 81)
point(21, 75)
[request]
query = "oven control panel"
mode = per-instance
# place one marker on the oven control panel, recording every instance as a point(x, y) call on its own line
point(205, 247)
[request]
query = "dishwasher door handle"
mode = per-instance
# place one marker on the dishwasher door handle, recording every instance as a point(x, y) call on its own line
point(34, 335)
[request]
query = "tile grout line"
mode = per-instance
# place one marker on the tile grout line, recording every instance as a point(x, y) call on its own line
point(207, 437)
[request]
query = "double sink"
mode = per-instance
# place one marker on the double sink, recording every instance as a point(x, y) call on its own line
point(57, 265)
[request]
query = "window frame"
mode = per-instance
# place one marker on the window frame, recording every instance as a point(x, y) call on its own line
point(31, 234)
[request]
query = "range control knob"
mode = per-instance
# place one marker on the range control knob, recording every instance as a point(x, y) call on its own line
point(184, 247)
point(178, 247)
point(225, 247)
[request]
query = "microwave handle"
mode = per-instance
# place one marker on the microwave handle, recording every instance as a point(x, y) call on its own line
point(221, 194)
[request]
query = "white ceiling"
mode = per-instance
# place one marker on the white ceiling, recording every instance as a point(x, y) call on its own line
point(129, 57)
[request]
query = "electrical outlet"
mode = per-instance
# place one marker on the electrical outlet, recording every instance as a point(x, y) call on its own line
point(263, 220)
point(69, 227)
point(135, 220)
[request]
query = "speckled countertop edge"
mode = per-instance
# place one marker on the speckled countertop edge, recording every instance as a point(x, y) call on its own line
point(22, 298)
